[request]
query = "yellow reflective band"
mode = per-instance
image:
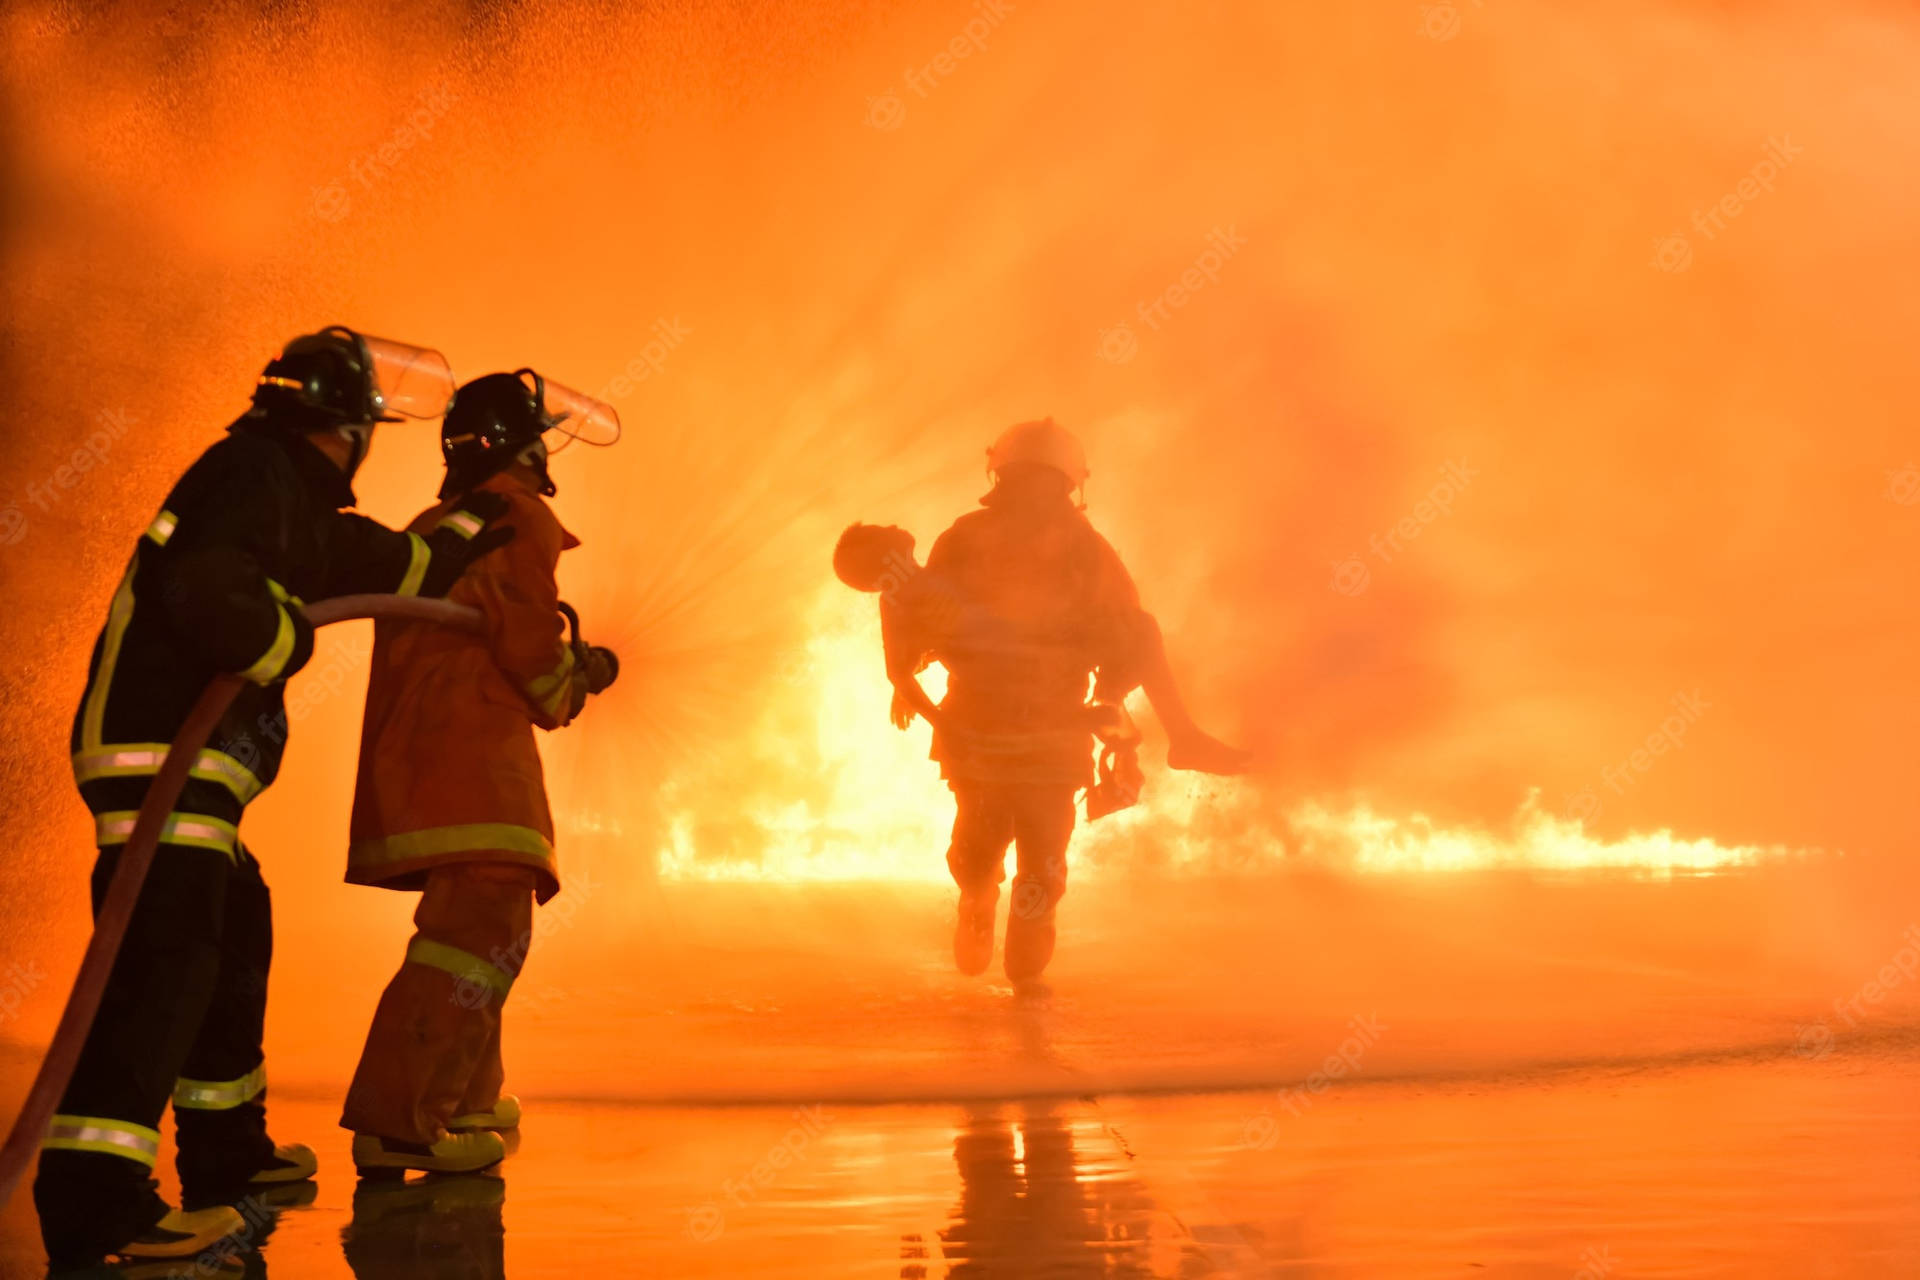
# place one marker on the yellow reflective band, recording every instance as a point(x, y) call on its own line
point(416, 567)
point(118, 616)
point(463, 965)
point(275, 380)
point(214, 766)
point(274, 660)
point(162, 527)
point(98, 1134)
point(550, 692)
point(464, 523)
point(560, 702)
point(467, 838)
point(219, 1095)
point(284, 596)
point(192, 829)
point(143, 759)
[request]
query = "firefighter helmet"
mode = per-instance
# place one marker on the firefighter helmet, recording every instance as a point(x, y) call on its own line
point(1044, 442)
point(503, 418)
point(338, 377)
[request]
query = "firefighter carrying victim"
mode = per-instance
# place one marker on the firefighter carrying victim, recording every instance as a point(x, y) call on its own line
point(1023, 603)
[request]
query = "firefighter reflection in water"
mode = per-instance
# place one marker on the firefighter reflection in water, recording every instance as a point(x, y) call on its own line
point(1023, 602)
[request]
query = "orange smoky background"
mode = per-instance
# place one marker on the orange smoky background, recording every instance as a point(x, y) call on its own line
point(1477, 392)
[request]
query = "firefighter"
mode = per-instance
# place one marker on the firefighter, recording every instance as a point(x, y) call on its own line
point(450, 801)
point(254, 528)
point(1023, 602)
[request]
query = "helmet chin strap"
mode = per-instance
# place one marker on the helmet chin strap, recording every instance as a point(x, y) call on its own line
point(359, 438)
point(534, 457)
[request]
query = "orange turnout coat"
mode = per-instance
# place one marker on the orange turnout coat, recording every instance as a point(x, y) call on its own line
point(449, 772)
point(1022, 607)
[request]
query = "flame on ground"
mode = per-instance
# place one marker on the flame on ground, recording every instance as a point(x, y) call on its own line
point(835, 793)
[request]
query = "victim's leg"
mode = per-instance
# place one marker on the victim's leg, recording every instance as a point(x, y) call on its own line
point(1188, 745)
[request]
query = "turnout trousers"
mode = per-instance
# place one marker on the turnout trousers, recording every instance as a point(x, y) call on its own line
point(433, 1052)
point(181, 1020)
point(1035, 818)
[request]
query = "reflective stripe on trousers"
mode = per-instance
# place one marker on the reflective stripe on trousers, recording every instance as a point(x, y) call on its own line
point(475, 976)
point(220, 1095)
point(103, 1136)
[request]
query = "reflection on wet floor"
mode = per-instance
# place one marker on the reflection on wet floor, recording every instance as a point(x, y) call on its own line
point(436, 1228)
point(1046, 1189)
point(1780, 1166)
point(1042, 1193)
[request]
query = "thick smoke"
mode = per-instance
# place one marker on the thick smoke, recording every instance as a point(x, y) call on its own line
point(1477, 393)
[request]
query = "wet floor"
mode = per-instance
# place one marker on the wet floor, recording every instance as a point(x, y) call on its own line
point(1792, 1167)
point(1440, 1076)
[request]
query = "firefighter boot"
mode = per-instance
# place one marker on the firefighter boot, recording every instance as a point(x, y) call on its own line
point(226, 1154)
point(973, 932)
point(294, 1162)
point(501, 1116)
point(1030, 932)
point(185, 1233)
point(377, 1157)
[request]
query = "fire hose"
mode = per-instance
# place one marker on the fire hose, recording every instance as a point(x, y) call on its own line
point(116, 908)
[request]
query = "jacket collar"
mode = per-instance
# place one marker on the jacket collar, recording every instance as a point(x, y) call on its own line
point(509, 485)
point(323, 479)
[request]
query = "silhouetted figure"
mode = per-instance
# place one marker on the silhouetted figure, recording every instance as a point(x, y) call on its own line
point(256, 526)
point(1023, 603)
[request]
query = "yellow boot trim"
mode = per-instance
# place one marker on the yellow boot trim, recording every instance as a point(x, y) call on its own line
point(455, 1153)
point(193, 1233)
point(298, 1163)
point(503, 1114)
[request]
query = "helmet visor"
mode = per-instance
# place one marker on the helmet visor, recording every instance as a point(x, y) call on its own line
point(574, 415)
point(408, 381)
